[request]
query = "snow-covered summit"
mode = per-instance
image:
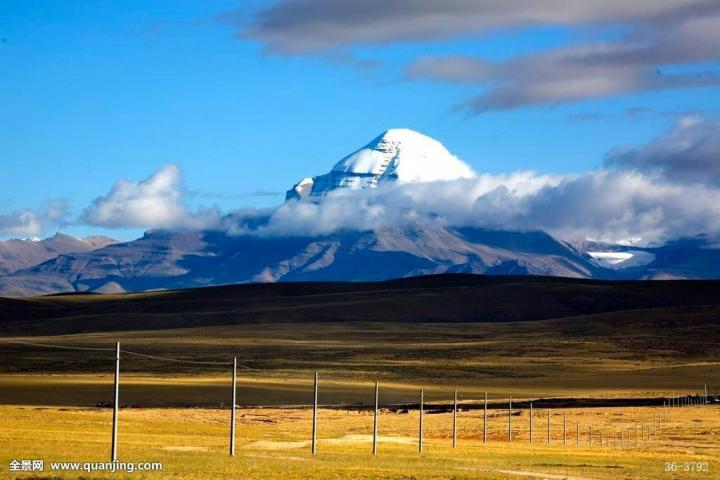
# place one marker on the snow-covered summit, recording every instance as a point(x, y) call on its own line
point(398, 155)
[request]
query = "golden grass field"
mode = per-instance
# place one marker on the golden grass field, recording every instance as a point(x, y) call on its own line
point(172, 410)
point(274, 443)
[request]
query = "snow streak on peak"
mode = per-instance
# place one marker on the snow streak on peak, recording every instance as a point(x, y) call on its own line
point(398, 155)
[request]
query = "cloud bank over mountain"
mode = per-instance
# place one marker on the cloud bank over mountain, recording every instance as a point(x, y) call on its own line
point(31, 222)
point(602, 205)
point(665, 189)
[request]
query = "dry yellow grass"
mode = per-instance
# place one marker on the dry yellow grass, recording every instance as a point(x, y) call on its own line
point(273, 443)
point(41, 389)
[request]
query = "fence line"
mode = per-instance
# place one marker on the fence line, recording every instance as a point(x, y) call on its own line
point(674, 401)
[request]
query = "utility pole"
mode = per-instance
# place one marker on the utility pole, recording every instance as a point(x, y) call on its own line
point(548, 426)
point(116, 405)
point(232, 407)
point(485, 421)
point(636, 432)
point(375, 421)
point(531, 421)
point(313, 448)
point(454, 425)
point(510, 419)
point(577, 434)
point(420, 426)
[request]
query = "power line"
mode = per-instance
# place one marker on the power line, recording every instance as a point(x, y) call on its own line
point(177, 360)
point(61, 347)
point(129, 352)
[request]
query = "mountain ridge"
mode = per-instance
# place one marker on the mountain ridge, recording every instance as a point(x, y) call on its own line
point(165, 259)
point(174, 260)
point(17, 254)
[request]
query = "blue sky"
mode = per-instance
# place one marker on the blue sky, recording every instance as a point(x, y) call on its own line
point(94, 92)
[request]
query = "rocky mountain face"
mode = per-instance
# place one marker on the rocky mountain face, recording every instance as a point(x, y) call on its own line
point(17, 254)
point(170, 260)
point(162, 260)
point(397, 155)
point(694, 258)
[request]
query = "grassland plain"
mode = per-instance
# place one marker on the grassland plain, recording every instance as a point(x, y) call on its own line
point(274, 443)
point(561, 343)
point(40, 417)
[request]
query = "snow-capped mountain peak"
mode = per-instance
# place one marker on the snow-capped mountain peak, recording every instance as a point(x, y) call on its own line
point(398, 155)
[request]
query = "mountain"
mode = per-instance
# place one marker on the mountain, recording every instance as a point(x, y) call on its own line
point(398, 155)
point(16, 254)
point(686, 258)
point(170, 260)
point(165, 260)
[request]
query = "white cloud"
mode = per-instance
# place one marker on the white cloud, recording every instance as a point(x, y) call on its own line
point(156, 202)
point(603, 204)
point(625, 199)
point(689, 152)
point(32, 222)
